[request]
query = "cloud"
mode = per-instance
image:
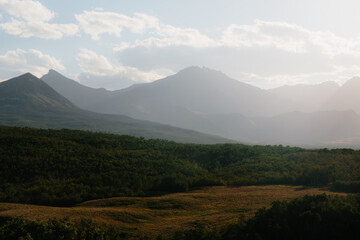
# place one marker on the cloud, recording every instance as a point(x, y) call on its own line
point(173, 36)
point(98, 71)
point(39, 29)
point(96, 23)
point(288, 37)
point(262, 53)
point(93, 63)
point(30, 19)
point(339, 74)
point(263, 61)
point(19, 61)
point(27, 9)
point(279, 35)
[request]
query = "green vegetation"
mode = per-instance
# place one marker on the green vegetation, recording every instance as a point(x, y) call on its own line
point(310, 217)
point(65, 167)
point(21, 229)
point(216, 206)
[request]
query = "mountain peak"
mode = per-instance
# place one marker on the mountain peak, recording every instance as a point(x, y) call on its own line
point(28, 75)
point(29, 91)
point(53, 73)
point(204, 71)
point(24, 82)
point(190, 69)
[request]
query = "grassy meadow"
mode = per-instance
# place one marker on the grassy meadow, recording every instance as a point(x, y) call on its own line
point(166, 214)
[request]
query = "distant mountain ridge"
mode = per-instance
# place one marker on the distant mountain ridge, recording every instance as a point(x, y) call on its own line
point(28, 101)
point(346, 98)
point(80, 95)
point(208, 101)
point(198, 90)
point(308, 98)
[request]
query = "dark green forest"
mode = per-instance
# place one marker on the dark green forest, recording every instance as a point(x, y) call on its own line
point(19, 228)
point(66, 167)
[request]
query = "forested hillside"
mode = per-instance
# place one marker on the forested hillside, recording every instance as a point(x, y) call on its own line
point(65, 167)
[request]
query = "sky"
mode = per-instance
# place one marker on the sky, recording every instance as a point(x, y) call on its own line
point(112, 44)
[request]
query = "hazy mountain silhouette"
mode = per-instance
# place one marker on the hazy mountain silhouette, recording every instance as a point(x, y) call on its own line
point(347, 97)
point(323, 128)
point(28, 101)
point(208, 101)
point(197, 90)
point(308, 98)
point(82, 96)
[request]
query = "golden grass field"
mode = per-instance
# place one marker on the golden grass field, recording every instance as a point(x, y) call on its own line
point(215, 206)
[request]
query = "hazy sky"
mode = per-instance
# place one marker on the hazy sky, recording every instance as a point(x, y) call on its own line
point(105, 43)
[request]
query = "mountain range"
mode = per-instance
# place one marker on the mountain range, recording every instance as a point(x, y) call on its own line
point(199, 99)
point(28, 101)
point(208, 101)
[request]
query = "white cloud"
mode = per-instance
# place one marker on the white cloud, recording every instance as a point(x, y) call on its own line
point(173, 36)
point(30, 19)
point(262, 53)
point(288, 37)
point(338, 74)
point(19, 61)
point(93, 63)
point(280, 35)
point(264, 34)
point(39, 29)
point(27, 9)
point(98, 71)
point(96, 23)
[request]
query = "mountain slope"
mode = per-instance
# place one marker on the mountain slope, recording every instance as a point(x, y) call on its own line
point(208, 101)
point(198, 90)
point(28, 91)
point(28, 101)
point(323, 129)
point(309, 98)
point(347, 97)
point(196, 98)
point(80, 95)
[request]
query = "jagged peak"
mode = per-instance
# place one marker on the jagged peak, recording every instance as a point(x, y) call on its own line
point(53, 72)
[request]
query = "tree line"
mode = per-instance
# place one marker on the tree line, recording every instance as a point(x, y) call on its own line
point(66, 167)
